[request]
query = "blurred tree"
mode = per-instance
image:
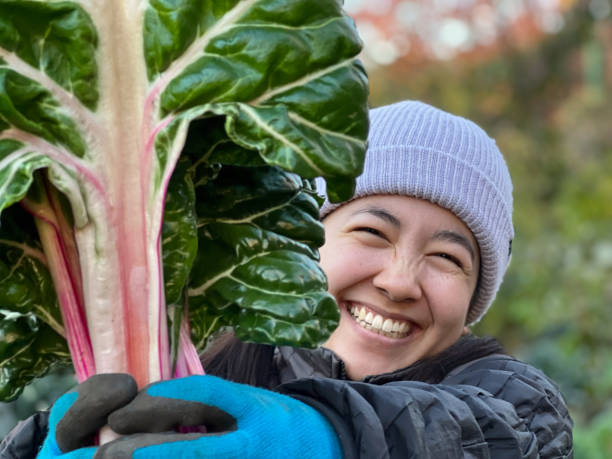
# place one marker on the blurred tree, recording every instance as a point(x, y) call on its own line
point(546, 99)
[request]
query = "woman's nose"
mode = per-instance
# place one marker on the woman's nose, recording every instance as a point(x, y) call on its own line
point(399, 280)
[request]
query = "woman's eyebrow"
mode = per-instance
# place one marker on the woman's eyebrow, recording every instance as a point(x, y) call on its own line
point(380, 213)
point(457, 238)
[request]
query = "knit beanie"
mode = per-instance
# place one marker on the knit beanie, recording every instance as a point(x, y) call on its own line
point(420, 151)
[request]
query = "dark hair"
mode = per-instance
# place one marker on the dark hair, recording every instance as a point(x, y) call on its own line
point(235, 360)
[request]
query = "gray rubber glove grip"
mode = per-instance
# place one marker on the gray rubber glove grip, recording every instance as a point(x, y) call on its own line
point(147, 414)
point(98, 396)
point(124, 448)
point(152, 421)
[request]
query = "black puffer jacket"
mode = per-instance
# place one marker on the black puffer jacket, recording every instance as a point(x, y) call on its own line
point(493, 407)
point(471, 401)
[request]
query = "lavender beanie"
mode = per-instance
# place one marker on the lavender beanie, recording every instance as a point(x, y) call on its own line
point(417, 150)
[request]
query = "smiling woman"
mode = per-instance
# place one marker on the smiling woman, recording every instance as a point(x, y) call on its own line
point(413, 258)
point(414, 269)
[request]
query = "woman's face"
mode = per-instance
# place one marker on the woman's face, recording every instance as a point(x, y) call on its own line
point(403, 271)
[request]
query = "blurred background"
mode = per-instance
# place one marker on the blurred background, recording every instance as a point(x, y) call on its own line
point(537, 76)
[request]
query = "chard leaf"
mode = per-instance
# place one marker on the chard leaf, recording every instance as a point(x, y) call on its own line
point(179, 232)
point(190, 126)
point(56, 40)
point(284, 74)
point(25, 283)
point(31, 331)
point(256, 266)
point(29, 349)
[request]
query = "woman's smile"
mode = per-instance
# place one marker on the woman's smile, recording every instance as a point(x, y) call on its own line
point(377, 323)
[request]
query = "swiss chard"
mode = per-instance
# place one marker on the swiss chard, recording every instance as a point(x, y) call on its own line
point(154, 166)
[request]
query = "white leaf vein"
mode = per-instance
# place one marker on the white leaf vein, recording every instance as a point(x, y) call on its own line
point(298, 119)
point(74, 108)
point(301, 81)
point(196, 49)
point(281, 138)
point(198, 291)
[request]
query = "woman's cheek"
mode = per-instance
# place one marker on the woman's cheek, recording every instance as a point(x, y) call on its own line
point(451, 312)
point(346, 266)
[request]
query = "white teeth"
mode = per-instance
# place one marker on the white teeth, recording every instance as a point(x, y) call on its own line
point(376, 323)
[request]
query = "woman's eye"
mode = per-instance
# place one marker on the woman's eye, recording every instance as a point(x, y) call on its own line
point(450, 258)
point(367, 229)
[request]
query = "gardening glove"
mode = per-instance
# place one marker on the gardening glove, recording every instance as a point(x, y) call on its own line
point(77, 416)
point(241, 422)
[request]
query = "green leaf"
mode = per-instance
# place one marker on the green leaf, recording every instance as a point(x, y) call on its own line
point(284, 73)
point(30, 108)
point(179, 232)
point(105, 97)
point(31, 330)
point(256, 266)
point(26, 286)
point(29, 349)
point(56, 39)
point(17, 177)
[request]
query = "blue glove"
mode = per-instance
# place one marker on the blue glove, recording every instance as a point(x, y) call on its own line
point(242, 422)
point(77, 416)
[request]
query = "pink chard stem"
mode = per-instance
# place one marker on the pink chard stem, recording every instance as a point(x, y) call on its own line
point(188, 361)
point(62, 259)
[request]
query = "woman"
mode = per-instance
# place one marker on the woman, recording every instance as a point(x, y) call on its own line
point(413, 258)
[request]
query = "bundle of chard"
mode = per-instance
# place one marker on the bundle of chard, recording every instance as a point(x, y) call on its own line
point(156, 160)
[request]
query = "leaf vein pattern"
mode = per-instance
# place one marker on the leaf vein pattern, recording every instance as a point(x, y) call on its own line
point(301, 82)
point(27, 250)
point(269, 292)
point(21, 351)
point(316, 127)
point(250, 218)
point(313, 26)
point(44, 315)
point(277, 135)
point(196, 49)
point(197, 291)
point(58, 154)
point(78, 112)
point(14, 166)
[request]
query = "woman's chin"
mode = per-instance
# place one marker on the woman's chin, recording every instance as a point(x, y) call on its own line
point(364, 353)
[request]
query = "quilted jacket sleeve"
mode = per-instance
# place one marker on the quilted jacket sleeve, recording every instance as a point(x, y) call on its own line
point(23, 442)
point(493, 408)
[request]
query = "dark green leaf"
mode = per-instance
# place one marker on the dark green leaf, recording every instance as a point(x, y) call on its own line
point(179, 232)
point(28, 349)
point(25, 283)
point(31, 329)
point(56, 39)
point(256, 267)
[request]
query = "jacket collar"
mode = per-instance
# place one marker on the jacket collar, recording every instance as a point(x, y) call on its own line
point(296, 363)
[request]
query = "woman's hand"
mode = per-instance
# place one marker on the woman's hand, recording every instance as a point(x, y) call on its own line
point(77, 416)
point(241, 421)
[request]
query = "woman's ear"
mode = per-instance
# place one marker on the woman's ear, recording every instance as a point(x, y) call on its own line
point(466, 331)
